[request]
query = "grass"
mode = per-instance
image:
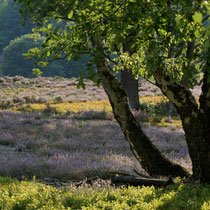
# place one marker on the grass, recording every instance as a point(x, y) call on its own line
point(33, 195)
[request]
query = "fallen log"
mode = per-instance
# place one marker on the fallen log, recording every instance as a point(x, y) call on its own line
point(130, 180)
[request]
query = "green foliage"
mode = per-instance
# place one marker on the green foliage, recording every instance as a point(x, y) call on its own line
point(164, 31)
point(37, 72)
point(159, 108)
point(10, 23)
point(32, 195)
point(15, 62)
point(11, 28)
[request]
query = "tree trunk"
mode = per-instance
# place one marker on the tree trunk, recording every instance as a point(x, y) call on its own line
point(195, 121)
point(128, 80)
point(150, 158)
point(203, 172)
point(130, 84)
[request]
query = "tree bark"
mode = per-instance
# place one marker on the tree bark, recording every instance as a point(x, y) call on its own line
point(130, 85)
point(203, 171)
point(128, 80)
point(150, 158)
point(195, 121)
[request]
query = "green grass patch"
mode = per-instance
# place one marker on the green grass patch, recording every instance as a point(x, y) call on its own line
point(32, 195)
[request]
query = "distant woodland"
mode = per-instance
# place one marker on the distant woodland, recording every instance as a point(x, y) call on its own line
point(15, 41)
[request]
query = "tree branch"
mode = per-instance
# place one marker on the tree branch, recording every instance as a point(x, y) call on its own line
point(205, 18)
point(180, 96)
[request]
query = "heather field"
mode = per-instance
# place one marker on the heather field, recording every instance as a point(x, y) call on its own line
point(49, 128)
point(57, 134)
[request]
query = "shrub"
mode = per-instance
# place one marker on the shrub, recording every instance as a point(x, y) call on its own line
point(30, 99)
point(5, 104)
point(58, 99)
point(49, 110)
point(141, 116)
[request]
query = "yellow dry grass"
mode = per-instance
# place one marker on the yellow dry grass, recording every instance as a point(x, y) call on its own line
point(102, 105)
point(63, 107)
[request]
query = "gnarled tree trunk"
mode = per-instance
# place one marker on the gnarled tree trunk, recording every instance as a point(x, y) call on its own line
point(195, 120)
point(150, 158)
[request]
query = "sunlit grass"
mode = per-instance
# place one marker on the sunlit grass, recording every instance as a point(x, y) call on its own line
point(97, 105)
point(63, 107)
point(153, 99)
point(161, 122)
point(176, 123)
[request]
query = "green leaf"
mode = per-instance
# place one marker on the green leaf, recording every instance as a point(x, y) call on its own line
point(37, 72)
point(198, 17)
point(70, 14)
point(49, 26)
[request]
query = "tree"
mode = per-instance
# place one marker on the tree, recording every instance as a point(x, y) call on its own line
point(15, 62)
point(10, 23)
point(96, 26)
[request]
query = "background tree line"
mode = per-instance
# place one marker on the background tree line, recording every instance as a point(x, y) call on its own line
point(15, 41)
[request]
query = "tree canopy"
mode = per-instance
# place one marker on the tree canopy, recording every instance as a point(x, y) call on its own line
point(161, 39)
